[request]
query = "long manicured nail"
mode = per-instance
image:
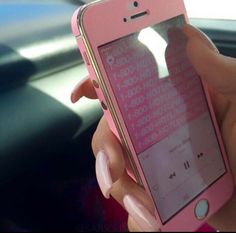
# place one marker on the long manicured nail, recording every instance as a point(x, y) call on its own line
point(103, 174)
point(192, 32)
point(140, 214)
point(75, 95)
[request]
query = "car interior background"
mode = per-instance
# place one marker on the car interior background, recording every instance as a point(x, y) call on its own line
point(47, 178)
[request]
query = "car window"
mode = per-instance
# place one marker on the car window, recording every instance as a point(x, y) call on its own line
point(211, 9)
point(208, 9)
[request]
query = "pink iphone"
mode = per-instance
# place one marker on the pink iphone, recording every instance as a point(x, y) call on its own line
point(156, 104)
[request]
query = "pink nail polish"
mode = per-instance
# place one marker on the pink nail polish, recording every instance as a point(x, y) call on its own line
point(74, 97)
point(103, 174)
point(140, 214)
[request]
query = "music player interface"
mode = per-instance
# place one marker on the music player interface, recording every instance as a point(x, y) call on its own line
point(165, 111)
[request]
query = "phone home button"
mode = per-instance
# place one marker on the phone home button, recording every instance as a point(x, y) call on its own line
point(202, 209)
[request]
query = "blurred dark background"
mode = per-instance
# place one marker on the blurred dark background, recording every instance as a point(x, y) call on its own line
point(47, 180)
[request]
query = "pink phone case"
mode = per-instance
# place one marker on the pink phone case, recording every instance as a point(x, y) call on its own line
point(218, 193)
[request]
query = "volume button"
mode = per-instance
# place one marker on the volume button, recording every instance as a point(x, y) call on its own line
point(104, 106)
point(95, 84)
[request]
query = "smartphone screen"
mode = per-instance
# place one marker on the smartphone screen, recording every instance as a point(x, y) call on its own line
point(165, 110)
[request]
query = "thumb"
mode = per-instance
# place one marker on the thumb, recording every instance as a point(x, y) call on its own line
point(218, 71)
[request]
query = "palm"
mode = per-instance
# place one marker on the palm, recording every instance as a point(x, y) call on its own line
point(226, 114)
point(229, 134)
point(219, 73)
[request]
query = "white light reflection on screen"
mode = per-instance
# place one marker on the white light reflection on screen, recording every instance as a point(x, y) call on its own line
point(157, 46)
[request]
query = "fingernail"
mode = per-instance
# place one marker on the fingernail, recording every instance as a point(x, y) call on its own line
point(146, 221)
point(192, 32)
point(103, 174)
point(75, 96)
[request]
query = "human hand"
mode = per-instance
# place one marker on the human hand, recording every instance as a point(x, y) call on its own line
point(111, 173)
point(219, 73)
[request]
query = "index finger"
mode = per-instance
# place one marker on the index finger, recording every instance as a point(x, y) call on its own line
point(84, 88)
